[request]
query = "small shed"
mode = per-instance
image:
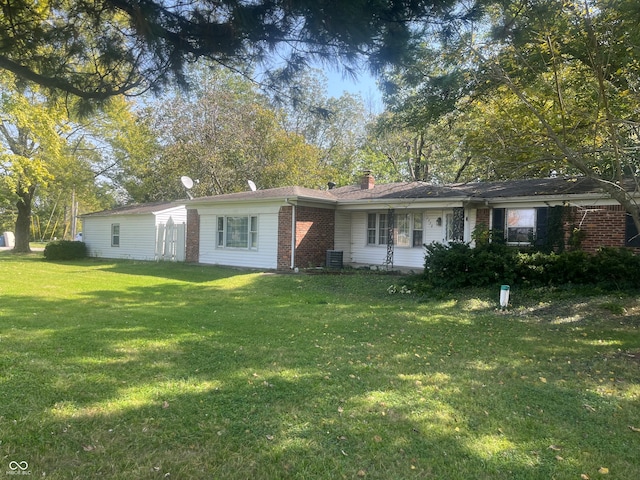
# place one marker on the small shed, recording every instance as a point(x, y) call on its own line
point(154, 231)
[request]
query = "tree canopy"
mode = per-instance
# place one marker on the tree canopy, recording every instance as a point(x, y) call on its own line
point(536, 86)
point(98, 49)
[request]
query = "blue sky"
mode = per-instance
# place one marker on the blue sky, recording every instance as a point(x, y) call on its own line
point(364, 84)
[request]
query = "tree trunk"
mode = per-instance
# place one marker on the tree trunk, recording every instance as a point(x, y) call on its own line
point(23, 221)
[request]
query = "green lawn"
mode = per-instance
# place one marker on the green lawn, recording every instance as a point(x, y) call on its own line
point(126, 370)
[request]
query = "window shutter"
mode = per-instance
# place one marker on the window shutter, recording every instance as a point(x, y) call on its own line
point(632, 239)
point(497, 224)
point(542, 226)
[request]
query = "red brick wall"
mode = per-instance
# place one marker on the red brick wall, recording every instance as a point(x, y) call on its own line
point(192, 253)
point(284, 238)
point(482, 217)
point(314, 236)
point(604, 226)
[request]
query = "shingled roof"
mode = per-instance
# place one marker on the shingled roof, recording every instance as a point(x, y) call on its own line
point(270, 194)
point(532, 187)
point(397, 190)
point(478, 191)
point(137, 209)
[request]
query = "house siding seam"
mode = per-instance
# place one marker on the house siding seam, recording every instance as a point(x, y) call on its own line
point(192, 253)
point(284, 238)
point(315, 229)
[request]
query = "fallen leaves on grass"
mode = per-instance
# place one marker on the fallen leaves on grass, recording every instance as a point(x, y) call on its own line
point(555, 448)
point(634, 429)
point(603, 470)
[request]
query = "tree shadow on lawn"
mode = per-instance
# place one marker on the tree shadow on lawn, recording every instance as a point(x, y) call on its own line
point(215, 388)
point(183, 272)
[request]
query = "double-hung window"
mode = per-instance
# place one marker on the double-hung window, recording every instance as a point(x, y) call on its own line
point(377, 229)
point(115, 234)
point(407, 229)
point(237, 232)
point(521, 225)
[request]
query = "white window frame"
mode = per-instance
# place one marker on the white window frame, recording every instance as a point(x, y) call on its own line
point(408, 230)
point(520, 223)
point(115, 234)
point(248, 232)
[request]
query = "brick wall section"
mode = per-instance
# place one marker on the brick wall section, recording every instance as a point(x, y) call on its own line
point(482, 217)
point(192, 253)
point(604, 226)
point(314, 236)
point(284, 238)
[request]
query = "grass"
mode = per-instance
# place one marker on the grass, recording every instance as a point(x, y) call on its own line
point(126, 370)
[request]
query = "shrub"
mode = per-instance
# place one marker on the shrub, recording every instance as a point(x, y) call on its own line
point(458, 265)
point(616, 268)
point(65, 250)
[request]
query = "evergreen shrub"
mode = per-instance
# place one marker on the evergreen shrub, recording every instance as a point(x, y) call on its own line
point(65, 250)
point(458, 265)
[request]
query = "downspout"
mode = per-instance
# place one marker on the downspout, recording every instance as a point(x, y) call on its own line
point(293, 232)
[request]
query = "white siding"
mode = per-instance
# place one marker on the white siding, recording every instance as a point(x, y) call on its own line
point(342, 239)
point(355, 223)
point(137, 236)
point(470, 221)
point(265, 256)
point(177, 214)
point(361, 253)
point(432, 231)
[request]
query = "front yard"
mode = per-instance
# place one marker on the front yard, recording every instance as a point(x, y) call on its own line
point(126, 370)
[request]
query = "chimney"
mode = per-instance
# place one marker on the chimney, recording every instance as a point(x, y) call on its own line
point(367, 182)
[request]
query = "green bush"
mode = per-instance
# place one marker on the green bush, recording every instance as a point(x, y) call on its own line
point(458, 265)
point(616, 268)
point(65, 250)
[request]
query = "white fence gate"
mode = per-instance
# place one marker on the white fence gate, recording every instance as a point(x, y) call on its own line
point(170, 241)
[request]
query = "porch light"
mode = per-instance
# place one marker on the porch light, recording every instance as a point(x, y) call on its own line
point(439, 221)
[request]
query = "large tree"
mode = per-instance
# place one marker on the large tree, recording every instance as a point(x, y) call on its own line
point(31, 142)
point(98, 49)
point(50, 161)
point(543, 85)
point(334, 125)
point(222, 134)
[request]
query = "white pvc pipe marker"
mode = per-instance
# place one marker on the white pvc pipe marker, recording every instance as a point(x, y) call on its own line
point(504, 296)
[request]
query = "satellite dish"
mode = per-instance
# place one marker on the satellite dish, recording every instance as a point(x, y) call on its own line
point(252, 185)
point(187, 182)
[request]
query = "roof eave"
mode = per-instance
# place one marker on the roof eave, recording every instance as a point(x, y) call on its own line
point(435, 202)
point(555, 198)
point(278, 199)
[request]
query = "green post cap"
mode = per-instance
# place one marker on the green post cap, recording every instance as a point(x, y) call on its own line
point(504, 287)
